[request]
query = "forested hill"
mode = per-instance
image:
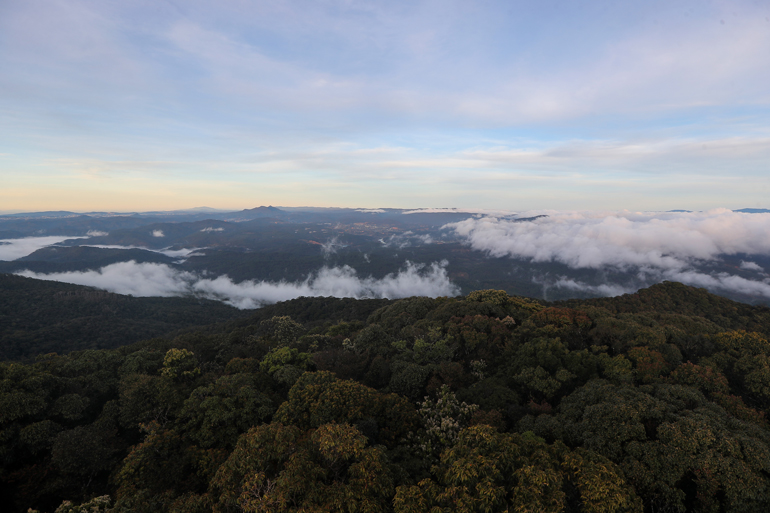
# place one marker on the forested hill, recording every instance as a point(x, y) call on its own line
point(488, 402)
point(675, 298)
point(38, 316)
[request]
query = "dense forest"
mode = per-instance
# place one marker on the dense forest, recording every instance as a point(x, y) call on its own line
point(38, 317)
point(649, 402)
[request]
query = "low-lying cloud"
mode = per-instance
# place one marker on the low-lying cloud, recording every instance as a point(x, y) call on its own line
point(751, 266)
point(604, 289)
point(329, 247)
point(158, 233)
point(173, 253)
point(150, 279)
point(406, 239)
point(621, 240)
point(717, 282)
point(13, 249)
point(653, 246)
point(723, 282)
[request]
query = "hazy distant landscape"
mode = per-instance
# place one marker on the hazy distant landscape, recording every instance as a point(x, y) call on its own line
point(259, 256)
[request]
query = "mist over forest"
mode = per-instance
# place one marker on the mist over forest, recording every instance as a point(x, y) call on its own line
point(263, 255)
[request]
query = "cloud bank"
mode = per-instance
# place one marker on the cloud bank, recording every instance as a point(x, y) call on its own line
point(149, 279)
point(653, 246)
point(12, 249)
point(669, 240)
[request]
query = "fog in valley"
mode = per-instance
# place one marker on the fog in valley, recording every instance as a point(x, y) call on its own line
point(261, 256)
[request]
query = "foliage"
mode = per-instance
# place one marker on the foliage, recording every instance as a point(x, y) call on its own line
point(95, 505)
point(179, 364)
point(648, 402)
point(442, 421)
point(283, 329)
point(285, 364)
point(216, 414)
point(280, 468)
point(490, 471)
point(502, 299)
point(320, 398)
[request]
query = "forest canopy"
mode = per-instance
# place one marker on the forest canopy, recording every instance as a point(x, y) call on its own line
point(651, 402)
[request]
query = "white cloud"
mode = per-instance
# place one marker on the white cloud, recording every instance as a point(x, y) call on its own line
point(96, 233)
point(412, 280)
point(149, 279)
point(176, 253)
point(751, 266)
point(173, 253)
point(723, 282)
point(644, 155)
point(621, 239)
point(329, 247)
point(671, 63)
point(12, 249)
point(143, 279)
point(717, 282)
point(605, 289)
point(158, 233)
point(404, 240)
point(460, 210)
point(656, 246)
point(212, 229)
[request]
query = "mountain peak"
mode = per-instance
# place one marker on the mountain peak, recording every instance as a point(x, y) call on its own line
point(270, 208)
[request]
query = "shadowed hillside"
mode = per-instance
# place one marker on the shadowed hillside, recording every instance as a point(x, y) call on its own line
point(39, 317)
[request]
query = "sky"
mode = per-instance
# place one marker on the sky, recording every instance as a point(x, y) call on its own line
point(518, 105)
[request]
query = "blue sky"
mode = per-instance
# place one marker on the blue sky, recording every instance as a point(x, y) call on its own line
point(141, 105)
